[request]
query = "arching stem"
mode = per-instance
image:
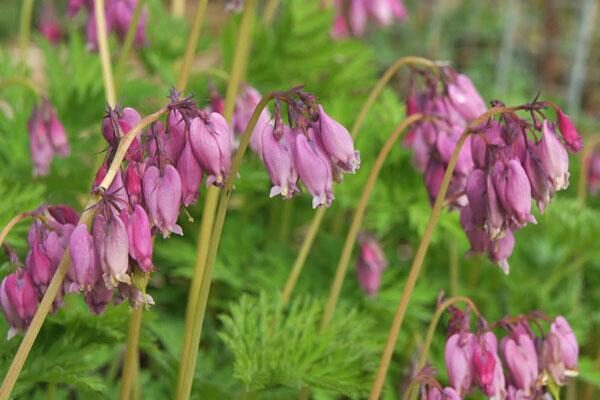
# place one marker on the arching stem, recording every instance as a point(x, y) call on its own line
point(417, 264)
point(24, 82)
point(584, 170)
point(213, 248)
point(359, 214)
point(107, 75)
point(11, 224)
point(318, 217)
point(193, 329)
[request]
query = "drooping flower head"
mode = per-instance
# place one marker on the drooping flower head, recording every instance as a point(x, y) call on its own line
point(352, 16)
point(47, 137)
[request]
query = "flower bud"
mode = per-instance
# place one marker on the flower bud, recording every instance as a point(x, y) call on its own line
point(513, 190)
point(553, 157)
point(434, 175)
point(173, 139)
point(338, 143)
point(162, 195)
point(314, 171)
point(572, 139)
point(139, 236)
point(112, 248)
point(39, 266)
point(127, 121)
point(499, 250)
point(211, 144)
point(277, 157)
point(133, 183)
point(487, 367)
point(84, 271)
point(465, 97)
point(458, 355)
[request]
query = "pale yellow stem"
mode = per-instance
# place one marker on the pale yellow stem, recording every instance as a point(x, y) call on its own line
point(107, 75)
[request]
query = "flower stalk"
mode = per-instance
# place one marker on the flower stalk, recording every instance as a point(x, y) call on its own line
point(359, 213)
point(193, 326)
point(107, 75)
point(422, 251)
point(320, 213)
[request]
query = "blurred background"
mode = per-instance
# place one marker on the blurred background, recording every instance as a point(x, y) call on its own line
point(512, 50)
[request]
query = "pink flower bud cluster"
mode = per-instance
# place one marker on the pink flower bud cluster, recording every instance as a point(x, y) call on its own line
point(313, 148)
point(48, 23)
point(520, 366)
point(119, 14)
point(47, 137)
point(370, 264)
point(501, 168)
point(593, 177)
point(352, 16)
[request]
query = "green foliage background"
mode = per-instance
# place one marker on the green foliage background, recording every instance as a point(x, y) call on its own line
point(253, 347)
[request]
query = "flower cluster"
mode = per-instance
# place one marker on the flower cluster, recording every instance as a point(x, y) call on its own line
point(370, 264)
point(501, 168)
point(522, 365)
point(352, 16)
point(313, 147)
point(162, 171)
point(47, 137)
point(119, 14)
point(48, 23)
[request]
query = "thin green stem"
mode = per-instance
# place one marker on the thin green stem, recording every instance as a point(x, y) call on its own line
point(25, 29)
point(11, 224)
point(128, 42)
point(24, 82)
point(202, 273)
point(192, 43)
point(206, 226)
point(56, 283)
point(302, 254)
point(582, 187)
point(131, 354)
point(431, 331)
point(382, 83)
point(318, 217)
point(359, 213)
point(269, 11)
point(213, 248)
point(107, 75)
point(422, 251)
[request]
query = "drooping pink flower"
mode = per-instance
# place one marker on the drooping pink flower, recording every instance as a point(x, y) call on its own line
point(572, 139)
point(112, 247)
point(560, 351)
point(211, 144)
point(277, 157)
point(370, 264)
point(47, 137)
point(458, 356)
point(314, 170)
point(139, 236)
point(522, 361)
point(84, 271)
point(162, 195)
point(338, 143)
point(190, 173)
point(487, 367)
point(18, 300)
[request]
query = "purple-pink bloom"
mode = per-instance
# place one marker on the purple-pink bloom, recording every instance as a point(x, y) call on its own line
point(522, 361)
point(139, 236)
point(370, 264)
point(39, 267)
point(211, 144)
point(47, 137)
point(338, 143)
point(190, 173)
point(162, 195)
point(572, 139)
point(458, 356)
point(314, 170)
point(84, 271)
point(560, 351)
point(487, 367)
point(277, 157)
point(98, 297)
point(112, 247)
point(18, 300)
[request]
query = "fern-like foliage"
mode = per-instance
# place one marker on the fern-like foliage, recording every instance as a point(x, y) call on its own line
point(278, 346)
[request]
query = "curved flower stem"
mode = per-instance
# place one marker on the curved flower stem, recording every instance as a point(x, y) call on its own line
point(24, 82)
point(193, 326)
point(410, 394)
point(383, 81)
point(131, 354)
point(318, 217)
point(107, 76)
point(584, 171)
point(11, 224)
point(359, 214)
point(269, 11)
point(302, 254)
point(422, 251)
point(61, 271)
point(25, 29)
point(192, 43)
point(213, 248)
point(128, 42)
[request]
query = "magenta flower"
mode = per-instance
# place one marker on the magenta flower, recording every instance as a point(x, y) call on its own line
point(572, 139)
point(338, 143)
point(458, 356)
point(370, 264)
point(47, 137)
point(139, 236)
point(190, 173)
point(352, 16)
point(40, 267)
point(314, 170)
point(18, 300)
point(112, 247)
point(162, 195)
point(84, 271)
point(211, 144)
point(560, 351)
point(133, 183)
point(487, 367)
point(118, 123)
point(522, 361)
point(277, 157)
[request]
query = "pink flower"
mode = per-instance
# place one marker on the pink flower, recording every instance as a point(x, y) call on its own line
point(162, 195)
point(18, 300)
point(277, 157)
point(458, 356)
point(112, 248)
point(139, 236)
point(572, 139)
point(314, 170)
point(369, 265)
point(84, 271)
